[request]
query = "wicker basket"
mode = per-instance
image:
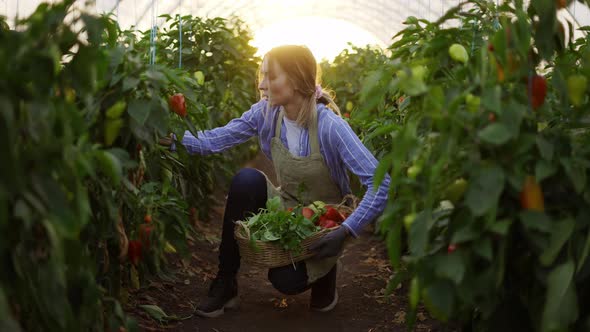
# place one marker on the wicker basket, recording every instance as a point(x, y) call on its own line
point(271, 254)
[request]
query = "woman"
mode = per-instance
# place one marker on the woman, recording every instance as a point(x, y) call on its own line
point(311, 148)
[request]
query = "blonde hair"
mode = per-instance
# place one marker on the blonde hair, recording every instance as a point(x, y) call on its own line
point(304, 74)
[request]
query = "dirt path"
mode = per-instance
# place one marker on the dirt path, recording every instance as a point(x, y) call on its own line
point(362, 305)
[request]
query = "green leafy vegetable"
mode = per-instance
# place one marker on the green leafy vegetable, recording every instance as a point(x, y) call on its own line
point(274, 224)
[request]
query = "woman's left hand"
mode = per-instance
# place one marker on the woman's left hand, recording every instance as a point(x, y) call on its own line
point(166, 141)
point(331, 244)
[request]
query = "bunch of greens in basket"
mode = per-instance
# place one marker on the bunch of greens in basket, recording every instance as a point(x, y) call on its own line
point(274, 224)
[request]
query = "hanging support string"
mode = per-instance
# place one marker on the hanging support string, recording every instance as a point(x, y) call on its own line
point(573, 15)
point(180, 41)
point(496, 24)
point(474, 35)
point(153, 37)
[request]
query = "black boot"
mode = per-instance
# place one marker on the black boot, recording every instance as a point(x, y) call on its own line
point(223, 294)
point(324, 295)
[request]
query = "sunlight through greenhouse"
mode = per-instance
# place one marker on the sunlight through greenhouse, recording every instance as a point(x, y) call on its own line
point(295, 165)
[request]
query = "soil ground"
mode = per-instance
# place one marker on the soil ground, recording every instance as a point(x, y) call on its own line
point(361, 286)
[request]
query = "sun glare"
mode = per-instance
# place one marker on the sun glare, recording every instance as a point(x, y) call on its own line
point(325, 37)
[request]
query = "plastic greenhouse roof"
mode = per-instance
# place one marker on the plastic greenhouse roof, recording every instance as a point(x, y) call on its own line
point(380, 18)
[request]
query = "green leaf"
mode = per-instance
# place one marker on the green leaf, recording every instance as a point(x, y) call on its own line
point(374, 88)
point(274, 204)
point(495, 133)
point(512, 116)
point(7, 323)
point(394, 245)
point(191, 127)
point(485, 188)
point(484, 248)
point(576, 173)
point(524, 144)
point(158, 117)
point(465, 233)
point(537, 221)
point(94, 27)
point(155, 312)
point(544, 169)
point(110, 165)
point(500, 227)
point(412, 86)
point(545, 148)
point(584, 254)
point(156, 76)
point(491, 99)
point(450, 267)
point(439, 299)
point(561, 307)
point(118, 310)
point(418, 237)
point(435, 99)
point(560, 234)
point(382, 170)
point(124, 158)
point(139, 110)
point(130, 83)
point(268, 236)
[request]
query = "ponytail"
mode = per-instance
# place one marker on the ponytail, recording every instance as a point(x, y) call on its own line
point(308, 114)
point(327, 98)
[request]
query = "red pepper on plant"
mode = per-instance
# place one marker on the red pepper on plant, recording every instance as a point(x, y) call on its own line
point(192, 212)
point(177, 104)
point(134, 251)
point(537, 90)
point(451, 248)
point(192, 215)
point(500, 72)
point(492, 117)
point(145, 232)
point(531, 196)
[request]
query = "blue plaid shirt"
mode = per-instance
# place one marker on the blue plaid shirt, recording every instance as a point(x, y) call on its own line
point(339, 145)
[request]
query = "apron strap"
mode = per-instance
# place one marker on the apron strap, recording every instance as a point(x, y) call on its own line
point(314, 141)
point(279, 124)
point(313, 132)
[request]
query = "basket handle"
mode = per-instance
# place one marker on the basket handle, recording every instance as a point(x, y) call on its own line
point(244, 227)
point(352, 198)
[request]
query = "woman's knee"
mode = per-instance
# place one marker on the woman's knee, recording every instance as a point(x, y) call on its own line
point(288, 280)
point(247, 180)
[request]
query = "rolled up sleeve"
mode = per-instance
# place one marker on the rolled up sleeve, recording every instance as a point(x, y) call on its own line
point(219, 139)
point(360, 161)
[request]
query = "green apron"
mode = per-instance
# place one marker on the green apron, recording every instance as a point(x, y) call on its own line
point(303, 180)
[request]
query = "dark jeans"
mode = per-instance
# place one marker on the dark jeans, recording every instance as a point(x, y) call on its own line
point(247, 194)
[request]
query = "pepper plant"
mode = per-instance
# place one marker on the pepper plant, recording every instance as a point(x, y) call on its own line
point(489, 157)
point(89, 202)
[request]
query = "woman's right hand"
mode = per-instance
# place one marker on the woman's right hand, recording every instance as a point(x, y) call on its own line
point(166, 141)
